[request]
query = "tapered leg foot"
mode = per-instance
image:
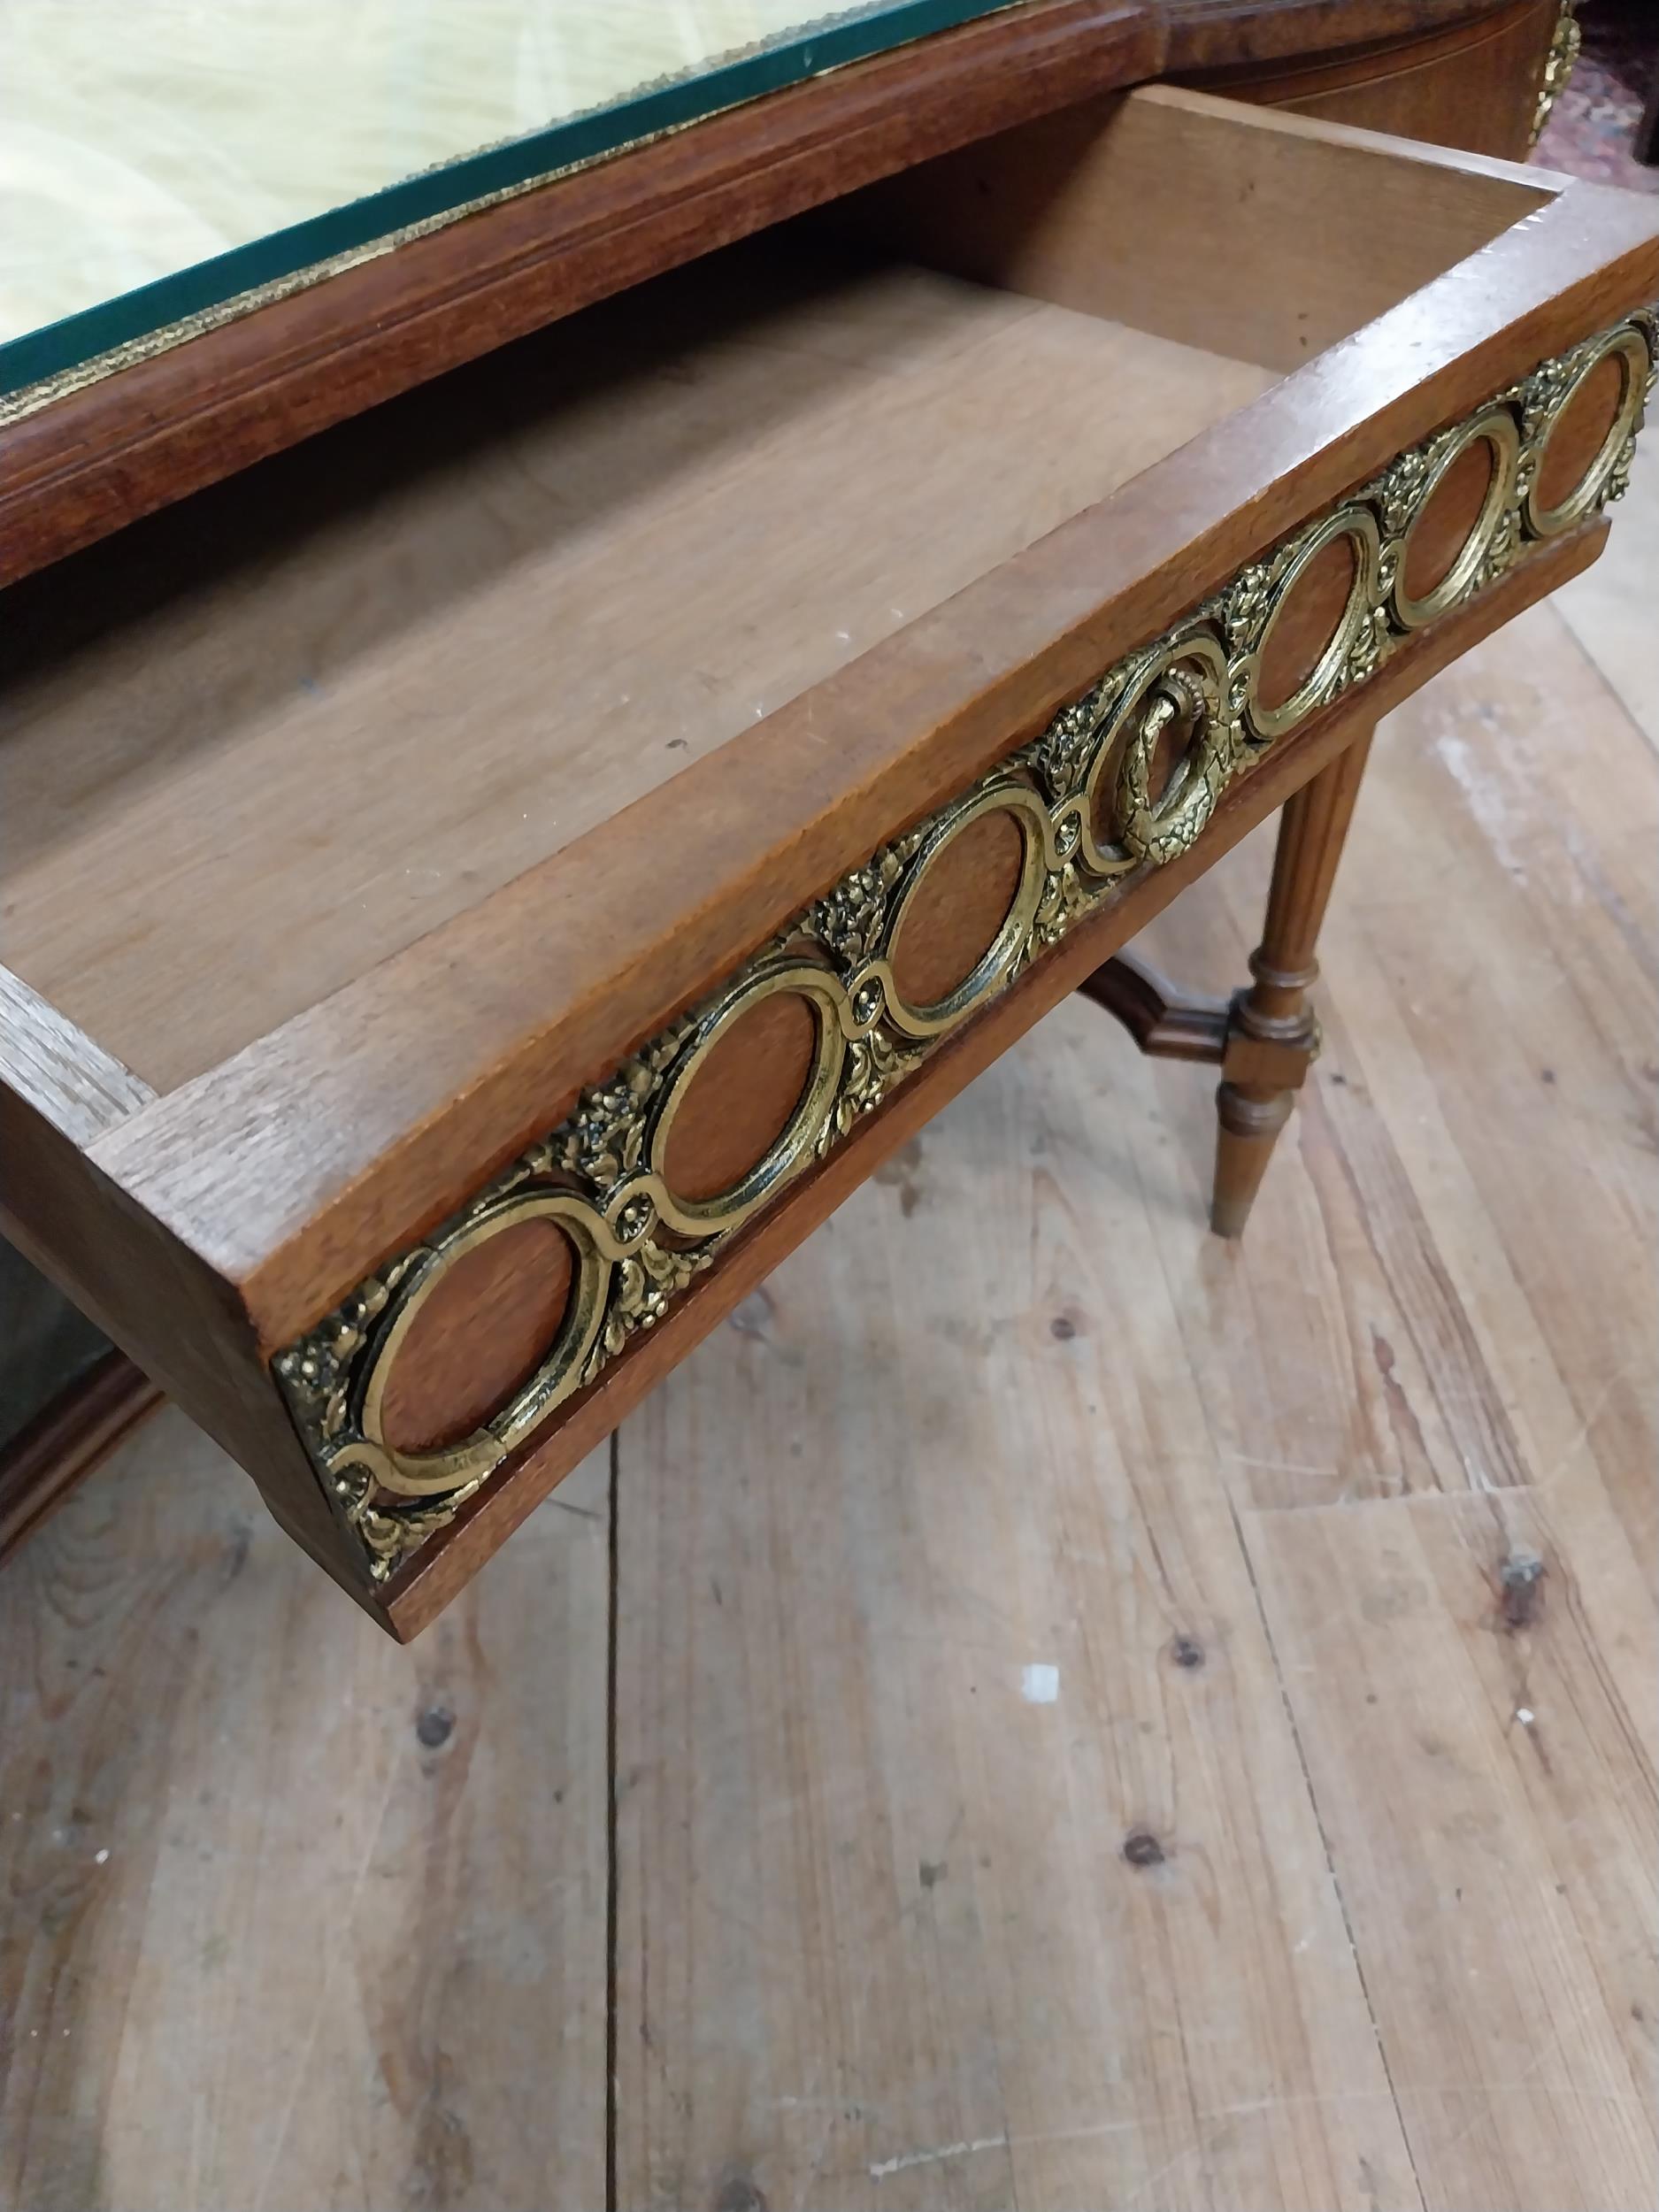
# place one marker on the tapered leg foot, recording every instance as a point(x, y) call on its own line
point(1272, 1041)
point(1248, 1124)
point(1272, 1037)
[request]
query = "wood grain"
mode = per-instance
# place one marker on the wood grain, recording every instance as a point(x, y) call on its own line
point(337, 1911)
point(743, 1098)
point(889, 1932)
point(251, 1198)
point(95, 460)
point(1611, 623)
point(959, 904)
point(481, 1335)
point(1319, 228)
point(1525, 1905)
point(1485, 1771)
point(388, 1102)
point(353, 609)
point(298, 726)
point(1533, 837)
point(80, 1089)
point(1358, 34)
point(1273, 1034)
point(176, 1319)
point(1165, 1019)
point(1471, 84)
point(1431, 1312)
point(1309, 618)
point(1443, 526)
point(1580, 432)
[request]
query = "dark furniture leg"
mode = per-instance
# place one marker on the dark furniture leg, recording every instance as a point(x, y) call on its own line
point(1647, 146)
point(67, 1440)
point(1274, 1036)
point(1265, 1038)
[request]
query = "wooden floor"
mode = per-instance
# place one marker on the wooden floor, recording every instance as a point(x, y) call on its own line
point(1102, 1719)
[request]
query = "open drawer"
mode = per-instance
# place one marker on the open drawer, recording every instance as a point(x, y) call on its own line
point(479, 886)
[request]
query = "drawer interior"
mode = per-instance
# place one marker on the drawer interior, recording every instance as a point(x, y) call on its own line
point(259, 742)
point(310, 714)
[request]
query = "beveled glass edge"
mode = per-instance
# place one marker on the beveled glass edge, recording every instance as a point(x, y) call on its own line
point(310, 250)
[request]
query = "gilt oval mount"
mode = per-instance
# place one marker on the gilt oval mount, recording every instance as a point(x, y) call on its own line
point(793, 1147)
point(1626, 347)
point(1012, 800)
point(1324, 679)
point(1496, 430)
point(425, 1474)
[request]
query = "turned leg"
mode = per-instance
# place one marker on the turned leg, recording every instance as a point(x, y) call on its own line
point(1263, 1039)
point(1271, 1034)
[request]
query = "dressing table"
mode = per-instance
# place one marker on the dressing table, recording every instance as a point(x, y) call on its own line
point(571, 681)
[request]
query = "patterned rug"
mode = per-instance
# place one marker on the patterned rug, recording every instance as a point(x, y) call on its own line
point(1590, 130)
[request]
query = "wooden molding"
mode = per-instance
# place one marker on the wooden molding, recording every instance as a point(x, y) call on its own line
point(1167, 1024)
point(67, 1440)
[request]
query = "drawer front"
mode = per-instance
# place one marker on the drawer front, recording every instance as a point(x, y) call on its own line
point(454, 1367)
point(410, 1251)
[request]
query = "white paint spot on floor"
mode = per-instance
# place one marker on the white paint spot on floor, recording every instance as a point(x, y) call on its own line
point(1039, 1685)
point(887, 2166)
point(1486, 800)
point(99, 1858)
point(1525, 1716)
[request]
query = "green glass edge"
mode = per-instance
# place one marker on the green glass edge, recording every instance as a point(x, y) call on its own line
point(81, 337)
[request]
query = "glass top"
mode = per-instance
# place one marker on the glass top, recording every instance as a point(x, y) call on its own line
point(159, 158)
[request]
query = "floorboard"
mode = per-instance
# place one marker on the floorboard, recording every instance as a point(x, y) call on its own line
point(296, 1920)
point(1612, 616)
point(1470, 1709)
point(962, 1823)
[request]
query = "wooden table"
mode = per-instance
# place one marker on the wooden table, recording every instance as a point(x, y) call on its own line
point(551, 733)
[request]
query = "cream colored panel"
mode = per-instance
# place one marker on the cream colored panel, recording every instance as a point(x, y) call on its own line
point(139, 136)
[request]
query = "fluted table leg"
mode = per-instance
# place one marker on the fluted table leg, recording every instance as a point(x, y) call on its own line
point(1274, 1035)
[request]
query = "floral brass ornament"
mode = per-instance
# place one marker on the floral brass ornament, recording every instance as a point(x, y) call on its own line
point(1559, 63)
point(1093, 804)
point(1548, 397)
point(1490, 544)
